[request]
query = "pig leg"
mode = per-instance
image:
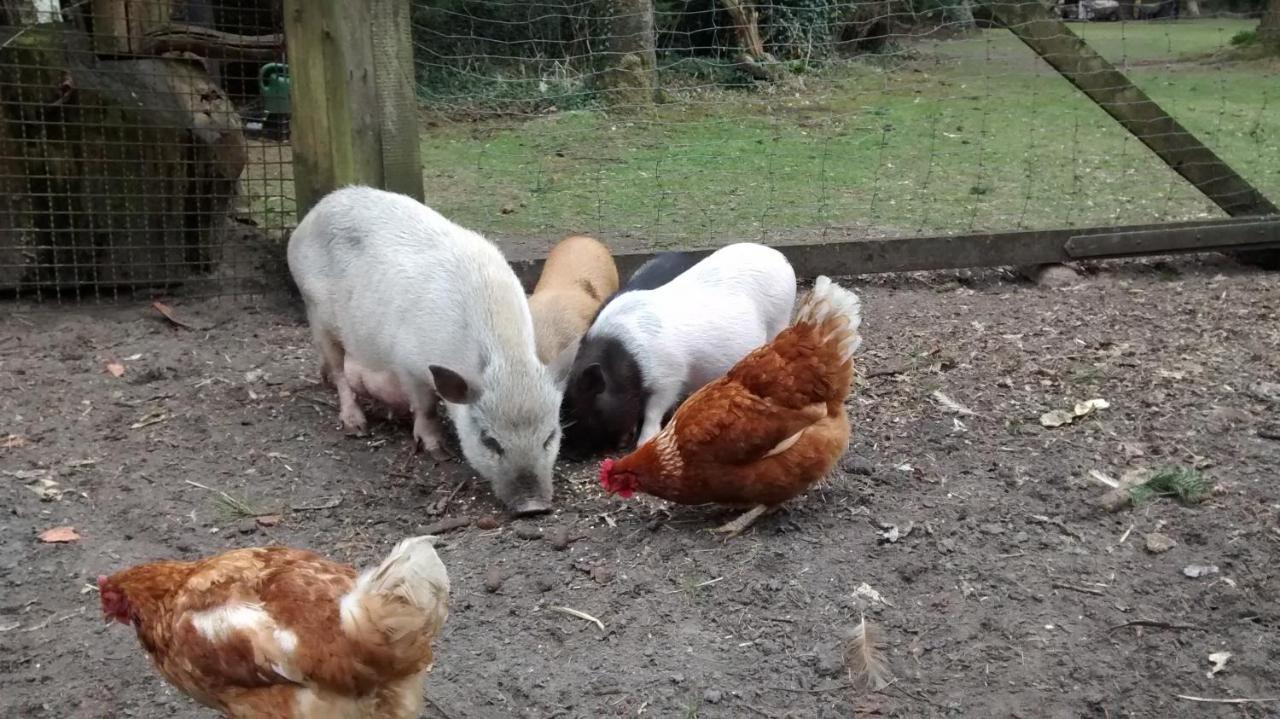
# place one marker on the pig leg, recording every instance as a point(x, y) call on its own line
point(428, 434)
point(332, 358)
point(660, 401)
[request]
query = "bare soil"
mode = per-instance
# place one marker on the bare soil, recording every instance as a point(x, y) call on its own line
point(1008, 597)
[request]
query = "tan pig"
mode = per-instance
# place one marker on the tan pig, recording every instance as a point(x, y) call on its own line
point(578, 276)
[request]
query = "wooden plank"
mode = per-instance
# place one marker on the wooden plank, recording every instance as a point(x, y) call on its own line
point(1052, 40)
point(110, 27)
point(997, 249)
point(313, 170)
point(391, 30)
point(352, 96)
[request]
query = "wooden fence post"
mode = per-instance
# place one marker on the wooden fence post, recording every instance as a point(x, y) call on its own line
point(353, 116)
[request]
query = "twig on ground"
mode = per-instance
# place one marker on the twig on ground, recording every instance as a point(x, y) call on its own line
point(579, 614)
point(442, 505)
point(1156, 623)
point(910, 695)
point(1208, 700)
point(329, 503)
point(317, 400)
point(448, 525)
point(1057, 523)
point(1074, 588)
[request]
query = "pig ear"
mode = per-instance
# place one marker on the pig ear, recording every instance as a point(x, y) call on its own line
point(452, 386)
point(562, 364)
point(591, 381)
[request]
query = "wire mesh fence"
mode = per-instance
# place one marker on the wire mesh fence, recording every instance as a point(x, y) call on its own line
point(143, 146)
point(692, 122)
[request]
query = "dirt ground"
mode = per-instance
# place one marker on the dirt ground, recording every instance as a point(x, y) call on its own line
point(1005, 599)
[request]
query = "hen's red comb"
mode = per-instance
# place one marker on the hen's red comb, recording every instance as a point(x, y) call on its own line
point(606, 467)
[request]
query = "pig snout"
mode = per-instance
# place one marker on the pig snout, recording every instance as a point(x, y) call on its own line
point(527, 494)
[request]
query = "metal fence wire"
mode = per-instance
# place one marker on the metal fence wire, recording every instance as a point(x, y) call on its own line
point(143, 146)
point(677, 123)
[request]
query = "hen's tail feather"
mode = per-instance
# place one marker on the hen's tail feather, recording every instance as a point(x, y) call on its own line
point(837, 311)
point(411, 574)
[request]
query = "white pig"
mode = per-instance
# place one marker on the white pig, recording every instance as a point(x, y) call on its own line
point(410, 296)
point(648, 348)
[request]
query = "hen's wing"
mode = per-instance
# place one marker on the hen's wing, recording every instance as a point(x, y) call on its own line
point(726, 423)
point(766, 399)
point(798, 368)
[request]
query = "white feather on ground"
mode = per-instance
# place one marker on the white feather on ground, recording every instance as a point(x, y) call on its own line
point(868, 669)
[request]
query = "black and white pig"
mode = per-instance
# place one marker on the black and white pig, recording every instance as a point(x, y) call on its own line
point(402, 300)
point(649, 348)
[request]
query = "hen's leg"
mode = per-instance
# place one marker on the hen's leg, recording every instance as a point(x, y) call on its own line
point(734, 528)
point(428, 434)
point(332, 358)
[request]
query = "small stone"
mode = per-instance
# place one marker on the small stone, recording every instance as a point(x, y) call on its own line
point(247, 526)
point(561, 539)
point(857, 464)
point(991, 528)
point(1266, 391)
point(1196, 571)
point(603, 574)
point(268, 520)
point(1158, 543)
point(712, 696)
point(525, 531)
point(1052, 276)
point(487, 522)
point(493, 579)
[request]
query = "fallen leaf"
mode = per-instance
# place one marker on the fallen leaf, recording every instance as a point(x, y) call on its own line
point(1158, 543)
point(46, 489)
point(1199, 570)
point(891, 533)
point(865, 591)
point(950, 404)
point(25, 474)
point(1084, 408)
point(1056, 418)
point(268, 520)
point(149, 419)
point(14, 441)
point(116, 369)
point(1219, 660)
point(59, 535)
point(168, 314)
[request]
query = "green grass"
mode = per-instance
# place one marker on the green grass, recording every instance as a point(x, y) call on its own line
point(958, 135)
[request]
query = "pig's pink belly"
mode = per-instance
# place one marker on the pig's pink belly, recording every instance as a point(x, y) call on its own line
point(379, 386)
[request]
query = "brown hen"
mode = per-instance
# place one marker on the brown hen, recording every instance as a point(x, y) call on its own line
point(278, 633)
point(763, 433)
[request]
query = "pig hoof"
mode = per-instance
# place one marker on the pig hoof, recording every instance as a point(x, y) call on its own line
point(530, 507)
point(353, 423)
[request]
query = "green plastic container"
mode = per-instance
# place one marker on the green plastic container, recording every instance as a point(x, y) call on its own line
point(273, 82)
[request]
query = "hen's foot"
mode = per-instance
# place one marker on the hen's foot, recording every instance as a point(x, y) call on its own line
point(736, 527)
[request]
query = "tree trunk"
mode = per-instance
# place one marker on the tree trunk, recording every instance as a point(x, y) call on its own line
point(1193, 8)
point(1269, 27)
point(629, 66)
point(746, 27)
